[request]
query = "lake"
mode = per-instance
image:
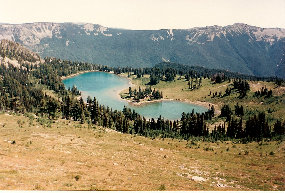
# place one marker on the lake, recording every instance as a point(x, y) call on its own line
point(106, 86)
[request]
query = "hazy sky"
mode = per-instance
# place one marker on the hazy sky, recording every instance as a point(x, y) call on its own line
point(146, 14)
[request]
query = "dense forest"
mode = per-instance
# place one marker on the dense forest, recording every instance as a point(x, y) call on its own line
point(24, 90)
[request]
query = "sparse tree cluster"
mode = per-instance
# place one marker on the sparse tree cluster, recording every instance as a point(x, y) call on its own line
point(218, 78)
point(241, 86)
point(148, 92)
point(263, 92)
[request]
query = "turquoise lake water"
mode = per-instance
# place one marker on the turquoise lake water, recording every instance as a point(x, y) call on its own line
point(105, 87)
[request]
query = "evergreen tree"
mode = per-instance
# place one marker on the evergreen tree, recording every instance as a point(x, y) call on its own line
point(239, 110)
point(226, 112)
point(279, 128)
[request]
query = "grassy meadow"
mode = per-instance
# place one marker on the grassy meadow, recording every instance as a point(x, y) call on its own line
point(39, 154)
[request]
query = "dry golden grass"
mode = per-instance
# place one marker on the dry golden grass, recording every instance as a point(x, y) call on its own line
point(71, 156)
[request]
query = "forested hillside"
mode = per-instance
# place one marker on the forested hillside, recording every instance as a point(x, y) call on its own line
point(239, 47)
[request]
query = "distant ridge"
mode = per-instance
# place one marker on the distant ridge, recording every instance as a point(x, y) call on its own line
point(238, 47)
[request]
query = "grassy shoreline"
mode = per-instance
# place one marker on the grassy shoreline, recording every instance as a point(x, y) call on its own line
point(136, 84)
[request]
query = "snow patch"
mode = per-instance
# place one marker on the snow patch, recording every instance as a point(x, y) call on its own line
point(102, 30)
point(212, 36)
point(170, 34)
point(89, 27)
point(194, 39)
point(107, 34)
point(153, 38)
point(165, 60)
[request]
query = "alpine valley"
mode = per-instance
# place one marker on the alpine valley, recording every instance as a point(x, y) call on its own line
point(85, 107)
point(238, 47)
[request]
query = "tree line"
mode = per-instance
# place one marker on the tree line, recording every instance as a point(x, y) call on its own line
point(190, 125)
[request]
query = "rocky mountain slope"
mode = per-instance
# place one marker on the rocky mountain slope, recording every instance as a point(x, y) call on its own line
point(239, 47)
point(15, 54)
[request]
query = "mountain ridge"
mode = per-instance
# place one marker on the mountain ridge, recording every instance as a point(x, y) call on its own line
point(238, 47)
